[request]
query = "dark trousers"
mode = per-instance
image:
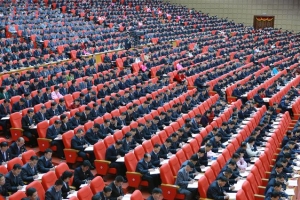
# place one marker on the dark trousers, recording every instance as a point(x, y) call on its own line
point(153, 181)
point(32, 136)
point(91, 156)
point(120, 166)
point(59, 147)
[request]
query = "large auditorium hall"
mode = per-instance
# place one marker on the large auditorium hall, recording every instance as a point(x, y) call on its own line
point(149, 100)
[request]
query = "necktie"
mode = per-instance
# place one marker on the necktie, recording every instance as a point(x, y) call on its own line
point(4, 157)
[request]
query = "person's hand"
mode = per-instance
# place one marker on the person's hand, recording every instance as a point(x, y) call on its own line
point(52, 169)
point(192, 181)
point(161, 159)
point(35, 176)
point(118, 156)
point(71, 191)
point(120, 198)
point(3, 163)
point(20, 187)
point(88, 182)
point(150, 170)
point(232, 188)
point(226, 197)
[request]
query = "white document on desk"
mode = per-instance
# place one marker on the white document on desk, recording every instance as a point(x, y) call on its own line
point(293, 183)
point(74, 194)
point(249, 167)
point(198, 176)
point(121, 159)
point(58, 138)
point(82, 185)
point(232, 196)
point(89, 148)
point(238, 185)
point(193, 185)
point(290, 192)
point(39, 177)
point(245, 174)
point(155, 171)
point(5, 118)
point(23, 188)
point(126, 197)
point(164, 161)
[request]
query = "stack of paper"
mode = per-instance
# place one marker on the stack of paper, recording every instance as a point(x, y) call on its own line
point(238, 185)
point(232, 195)
point(193, 185)
point(126, 197)
point(89, 148)
point(198, 176)
point(121, 159)
point(83, 185)
point(40, 177)
point(293, 183)
point(74, 194)
point(290, 192)
point(155, 171)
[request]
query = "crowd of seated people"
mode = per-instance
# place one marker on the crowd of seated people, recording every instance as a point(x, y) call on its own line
point(98, 26)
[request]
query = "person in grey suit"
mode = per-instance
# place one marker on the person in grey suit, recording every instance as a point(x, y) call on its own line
point(54, 192)
point(183, 179)
point(29, 170)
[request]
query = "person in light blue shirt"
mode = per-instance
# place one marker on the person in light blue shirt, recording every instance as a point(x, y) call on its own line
point(274, 71)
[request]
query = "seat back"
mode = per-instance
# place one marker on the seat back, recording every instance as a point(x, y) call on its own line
point(136, 195)
point(99, 150)
point(130, 162)
point(97, 184)
point(66, 138)
point(42, 128)
point(39, 188)
point(48, 180)
point(27, 155)
point(17, 195)
point(174, 165)
point(12, 162)
point(166, 174)
point(85, 193)
point(139, 152)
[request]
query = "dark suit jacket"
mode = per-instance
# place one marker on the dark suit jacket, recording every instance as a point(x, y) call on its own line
point(65, 189)
point(215, 192)
point(44, 166)
point(155, 159)
point(27, 173)
point(50, 113)
point(8, 156)
point(61, 109)
point(80, 177)
point(91, 137)
point(77, 143)
point(64, 128)
point(163, 152)
point(52, 132)
point(38, 117)
point(115, 191)
point(26, 123)
point(112, 153)
point(12, 182)
point(15, 151)
point(73, 123)
point(4, 111)
point(51, 194)
point(84, 118)
point(142, 167)
point(17, 107)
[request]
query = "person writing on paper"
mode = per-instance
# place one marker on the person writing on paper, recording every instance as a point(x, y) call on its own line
point(5, 112)
point(28, 124)
point(5, 154)
point(114, 152)
point(216, 143)
point(241, 163)
point(250, 148)
point(216, 191)
point(229, 184)
point(17, 148)
point(193, 159)
point(3, 186)
point(105, 194)
point(44, 164)
point(53, 132)
point(183, 179)
point(274, 196)
point(155, 157)
point(92, 135)
point(277, 187)
point(279, 178)
point(29, 171)
point(165, 149)
point(65, 177)
point(145, 167)
point(13, 179)
point(31, 194)
point(83, 174)
point(54, 192)
point(116, 186)
point(156, 194)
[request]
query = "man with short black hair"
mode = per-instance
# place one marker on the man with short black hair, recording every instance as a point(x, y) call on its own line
point(83, 174)
point(29, 170)
point(114, 152)
point(13, 181)
point(28, 124)
point(105, 194)
point(3, 191)
point(31, 194)
point(215, 190)
point(116, 186)
point(183, 179)
point(156, 194)
point(54, 192)
point(44, 164)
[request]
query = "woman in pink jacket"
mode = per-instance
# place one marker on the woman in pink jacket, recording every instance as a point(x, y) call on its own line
point(55, 94)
